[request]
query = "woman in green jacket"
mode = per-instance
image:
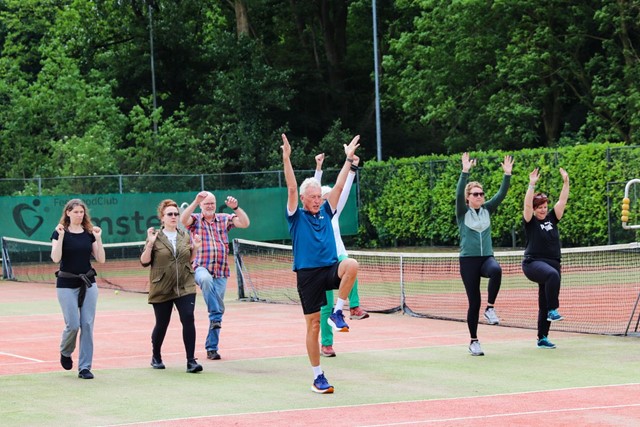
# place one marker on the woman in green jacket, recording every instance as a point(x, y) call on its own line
point(473, 215)
point(169, 252)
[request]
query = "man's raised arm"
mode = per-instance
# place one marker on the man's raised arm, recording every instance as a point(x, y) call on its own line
point(289, 176)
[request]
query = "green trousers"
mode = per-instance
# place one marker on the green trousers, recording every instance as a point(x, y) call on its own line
point(326, 332)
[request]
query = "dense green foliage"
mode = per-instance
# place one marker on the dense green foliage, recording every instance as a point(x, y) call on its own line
point(76, 92)
point(409, 202)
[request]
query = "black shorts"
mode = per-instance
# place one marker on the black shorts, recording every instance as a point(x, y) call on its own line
point(313, 284)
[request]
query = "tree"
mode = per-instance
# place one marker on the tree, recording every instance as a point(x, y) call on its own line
point(514, 74)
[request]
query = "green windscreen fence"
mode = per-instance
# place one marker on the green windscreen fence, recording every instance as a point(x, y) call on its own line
point(126, 217)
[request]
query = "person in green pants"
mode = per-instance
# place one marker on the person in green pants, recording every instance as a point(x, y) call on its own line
point(356, 312)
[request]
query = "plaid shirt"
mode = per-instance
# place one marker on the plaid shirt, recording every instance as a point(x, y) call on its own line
point(213, 255)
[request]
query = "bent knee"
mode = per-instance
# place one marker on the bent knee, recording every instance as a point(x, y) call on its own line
point(349, 264)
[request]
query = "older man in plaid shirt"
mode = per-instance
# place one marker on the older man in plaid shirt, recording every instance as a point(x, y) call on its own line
point(211, 264)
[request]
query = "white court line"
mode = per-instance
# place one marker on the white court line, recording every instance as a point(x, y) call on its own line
point(511, 414)
point(213, 417)
point(21, 357)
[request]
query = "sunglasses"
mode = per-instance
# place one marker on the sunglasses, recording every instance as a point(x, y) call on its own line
point(481, 194)
point(540, 196)
point(172, 214)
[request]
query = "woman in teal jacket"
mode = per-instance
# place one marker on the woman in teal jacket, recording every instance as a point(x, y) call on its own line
point(473, 215)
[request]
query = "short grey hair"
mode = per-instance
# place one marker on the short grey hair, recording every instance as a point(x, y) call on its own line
point(309, 182)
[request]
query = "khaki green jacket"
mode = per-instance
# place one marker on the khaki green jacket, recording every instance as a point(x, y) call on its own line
point(171, 275)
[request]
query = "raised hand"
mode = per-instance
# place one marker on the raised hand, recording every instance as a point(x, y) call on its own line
point(319, 161)
point(467, 163)
point(350, 149)
point(97, 232)
point(60, 230)
point(152, 235)
point(201, 196)
point(507, 165)
point(286, 147)
point(232, 202)
point(534, 176)
point(565, 175)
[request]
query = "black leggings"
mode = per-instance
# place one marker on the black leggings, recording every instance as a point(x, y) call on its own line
point(546, 273)
point(472, 268)
point(186, 306)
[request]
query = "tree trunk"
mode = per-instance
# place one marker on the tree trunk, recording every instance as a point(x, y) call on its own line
point(242, 18)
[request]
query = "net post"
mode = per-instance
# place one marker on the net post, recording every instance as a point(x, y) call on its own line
point(403, 305)
point(633, 313)
point(7, 271)
point(238, 261)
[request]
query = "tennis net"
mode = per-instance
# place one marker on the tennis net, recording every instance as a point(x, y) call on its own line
point(599, 292)
point(30, 261)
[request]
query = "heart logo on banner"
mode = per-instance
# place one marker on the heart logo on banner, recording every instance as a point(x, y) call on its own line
point(22, 210)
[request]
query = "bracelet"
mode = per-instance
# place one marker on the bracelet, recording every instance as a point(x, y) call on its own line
point(236, 208)
point(532, 187)
point(354, 168)
point(349, 160)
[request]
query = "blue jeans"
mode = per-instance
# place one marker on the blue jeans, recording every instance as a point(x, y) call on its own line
point(213, 289)
point(78, 320)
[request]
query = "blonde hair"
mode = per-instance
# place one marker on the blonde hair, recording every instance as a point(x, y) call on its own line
point(86, 220)
point(164, 205)
point(468, 187)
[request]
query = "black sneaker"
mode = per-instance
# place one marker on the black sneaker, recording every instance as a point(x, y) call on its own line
point(66, 362)
point(215, 324)
point(213, 355)
point(193, 366)
point(156, 363)
point(85, 374)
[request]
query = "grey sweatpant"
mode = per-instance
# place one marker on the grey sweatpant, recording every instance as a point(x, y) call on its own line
point(78, 319)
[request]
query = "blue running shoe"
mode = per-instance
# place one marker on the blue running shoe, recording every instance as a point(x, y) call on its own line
point(336, 321)
point(554, 316)
point(545, 343)
point(321, 385)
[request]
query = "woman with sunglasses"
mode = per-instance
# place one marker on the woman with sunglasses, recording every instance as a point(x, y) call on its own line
point(541, 262)
point(170, 252)
point(473, 215)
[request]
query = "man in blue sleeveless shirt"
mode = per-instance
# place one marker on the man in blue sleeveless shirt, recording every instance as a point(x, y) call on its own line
point(315, 259)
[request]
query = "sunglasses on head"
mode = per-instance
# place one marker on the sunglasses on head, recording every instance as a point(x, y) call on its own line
point(540, 196)
point(476, 194)
point(172, 214)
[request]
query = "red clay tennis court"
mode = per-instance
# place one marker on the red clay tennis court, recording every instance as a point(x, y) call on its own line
point(391, 369)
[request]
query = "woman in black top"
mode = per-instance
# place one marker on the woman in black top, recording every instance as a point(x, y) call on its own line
point(74, 241)
point(541, 262)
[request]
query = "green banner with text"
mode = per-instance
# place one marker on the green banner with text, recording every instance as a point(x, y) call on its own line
point(126, 217)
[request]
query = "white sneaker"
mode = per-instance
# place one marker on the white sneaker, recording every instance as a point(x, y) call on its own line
point(475, 349)
point(491, 316)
